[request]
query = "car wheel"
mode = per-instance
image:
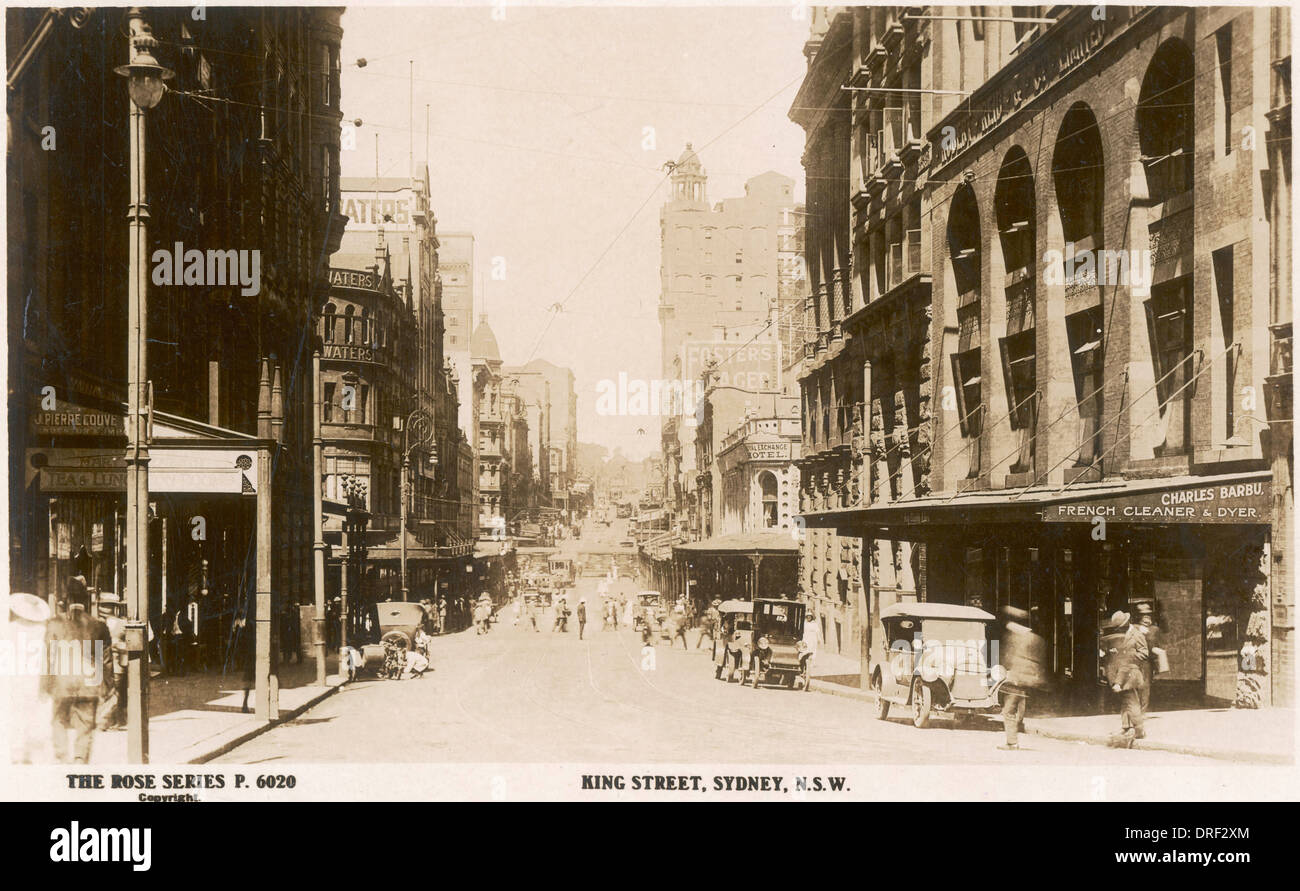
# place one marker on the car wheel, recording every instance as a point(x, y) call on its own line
point(921, 705)
point(882, 704)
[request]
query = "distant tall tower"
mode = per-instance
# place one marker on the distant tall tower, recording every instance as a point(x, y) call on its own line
point(720, 272)
point(689, 180)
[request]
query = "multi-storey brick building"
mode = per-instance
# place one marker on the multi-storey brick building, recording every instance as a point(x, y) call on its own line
point(1100, 245)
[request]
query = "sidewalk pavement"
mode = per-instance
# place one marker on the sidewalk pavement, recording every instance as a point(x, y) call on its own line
point(196, 717)
point(1260, 736)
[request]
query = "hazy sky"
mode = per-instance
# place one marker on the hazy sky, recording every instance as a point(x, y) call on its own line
point(537, 143)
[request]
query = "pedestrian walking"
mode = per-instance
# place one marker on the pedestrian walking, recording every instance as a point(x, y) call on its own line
point(1126, 649)
point(79, 669)
point(582, 617)
point(1024, 658)
point(110, 611)
point(246, 647)
point(710, 619)
point(442, 614)
point(28, 615)
point(1159, 660)
point(679, 629)
point(812, 636)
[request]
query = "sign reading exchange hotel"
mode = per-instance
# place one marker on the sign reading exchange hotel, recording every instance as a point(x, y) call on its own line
point(1242, 502)
point(768, 451)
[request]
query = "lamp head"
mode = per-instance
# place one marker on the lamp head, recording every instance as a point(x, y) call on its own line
point(146, 79)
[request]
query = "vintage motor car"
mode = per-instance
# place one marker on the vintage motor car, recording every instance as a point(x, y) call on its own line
point(398, 621)
point(937, 660)
point(731, 649)
point(649, 608)
point(779, 657)
point(562, 572)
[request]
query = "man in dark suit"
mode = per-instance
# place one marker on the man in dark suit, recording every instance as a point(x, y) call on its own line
point(1024, 657)
point(79, 673)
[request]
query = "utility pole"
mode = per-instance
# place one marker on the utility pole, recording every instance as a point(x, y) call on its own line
point(265, 688)
point(318, 519)
point(146, 86)
point(421, 425)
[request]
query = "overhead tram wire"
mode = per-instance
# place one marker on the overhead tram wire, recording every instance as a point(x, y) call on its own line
point(559, 306)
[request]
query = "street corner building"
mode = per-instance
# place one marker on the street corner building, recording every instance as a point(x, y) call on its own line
point(241, 153)
point(1048, 351)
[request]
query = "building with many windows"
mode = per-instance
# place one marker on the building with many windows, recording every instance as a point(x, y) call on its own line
point(1084, 428)
point(723, 268)
point(241, 156)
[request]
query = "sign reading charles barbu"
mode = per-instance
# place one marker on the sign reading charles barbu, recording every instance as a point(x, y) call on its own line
point(1239, 502)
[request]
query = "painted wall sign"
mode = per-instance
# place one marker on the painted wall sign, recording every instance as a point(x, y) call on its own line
point(353, 278)
point(345, 353)
point(70, 419)
point(365, 210)
point(1242, 502)
point(768, 451)
point(1006, 95)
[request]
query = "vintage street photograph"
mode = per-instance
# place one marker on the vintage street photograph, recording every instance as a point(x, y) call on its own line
point(694, 399)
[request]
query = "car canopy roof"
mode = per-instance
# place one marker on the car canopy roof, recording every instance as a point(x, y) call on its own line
point(936, 611)
point(735, 606)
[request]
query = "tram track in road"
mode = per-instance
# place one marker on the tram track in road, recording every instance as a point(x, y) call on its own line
point(746, 716)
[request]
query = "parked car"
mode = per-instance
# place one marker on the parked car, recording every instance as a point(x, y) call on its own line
point(936, 661)
point(398, 621)
point(731, 649)
point(779, 657)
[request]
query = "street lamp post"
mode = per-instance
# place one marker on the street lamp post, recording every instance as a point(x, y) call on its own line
point(318, 519)
point(145, 85)
point(417, 432)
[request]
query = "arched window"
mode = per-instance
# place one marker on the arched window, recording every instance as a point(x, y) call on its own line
point(768, 488)
point(348, 330)
point(1015, 210)
point(1165, 124)
point(1165, 121)
point(327, 319)
point(366, 322)
point(1079, 178)
point(964, 256)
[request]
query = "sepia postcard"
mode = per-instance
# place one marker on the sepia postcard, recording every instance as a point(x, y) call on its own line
point(649, 401)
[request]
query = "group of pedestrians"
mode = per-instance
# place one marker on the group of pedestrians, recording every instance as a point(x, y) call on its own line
point(1129, 655)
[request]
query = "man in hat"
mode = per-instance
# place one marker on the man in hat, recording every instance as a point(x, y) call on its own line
point(709, 624)
point(1024, 657)
point(1125, 674)
point(110, 610)
point(582, 617)
point(79, 655)
point(1147, 625)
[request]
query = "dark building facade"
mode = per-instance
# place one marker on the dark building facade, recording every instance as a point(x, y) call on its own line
point(242, 156)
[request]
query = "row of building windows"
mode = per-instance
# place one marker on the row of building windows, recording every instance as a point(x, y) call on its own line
point(1165, 128)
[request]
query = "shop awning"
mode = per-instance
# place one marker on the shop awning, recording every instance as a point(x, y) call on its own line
point(186, 457)
point(391, 549)
point(741, 544)
point(1228, 498)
